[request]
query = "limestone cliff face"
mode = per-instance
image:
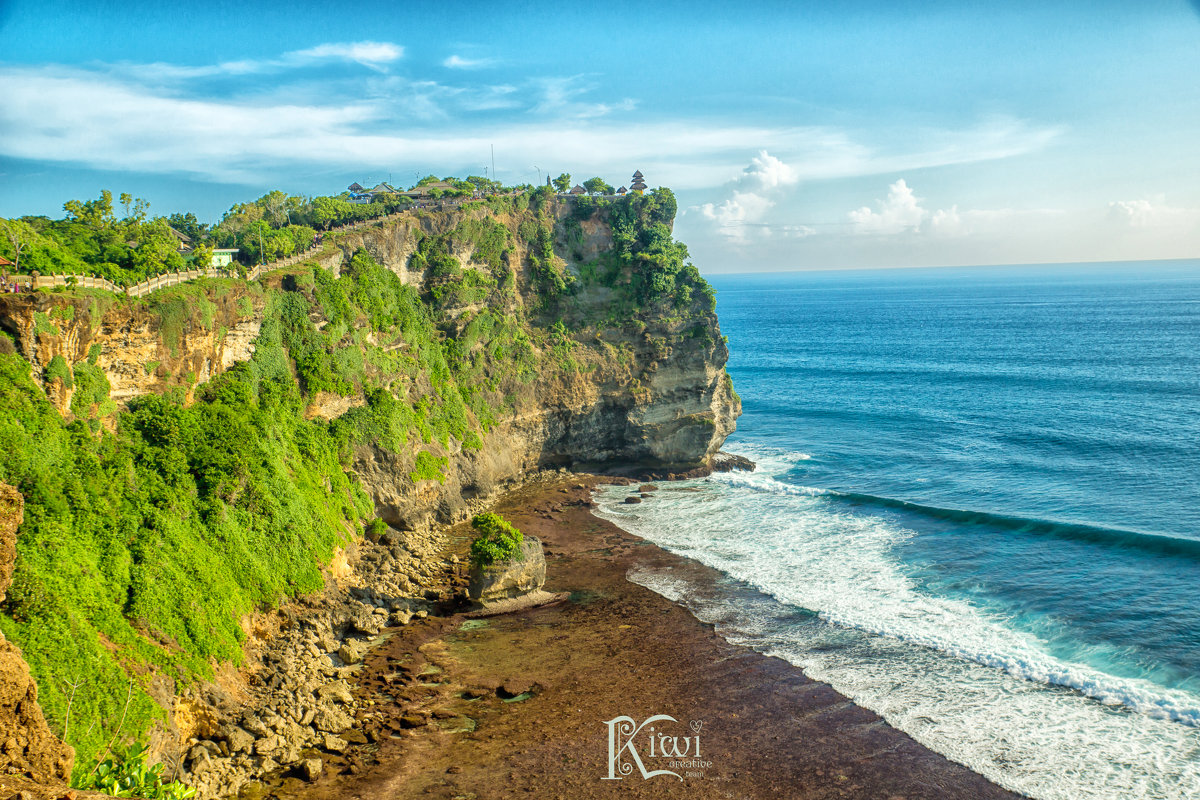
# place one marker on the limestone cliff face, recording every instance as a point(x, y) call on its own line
point(650, 392)
point(142, 346)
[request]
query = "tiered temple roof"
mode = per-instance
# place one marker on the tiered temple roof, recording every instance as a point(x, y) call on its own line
point(638, 184)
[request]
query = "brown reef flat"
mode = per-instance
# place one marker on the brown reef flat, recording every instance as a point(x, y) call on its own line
point(515, 705)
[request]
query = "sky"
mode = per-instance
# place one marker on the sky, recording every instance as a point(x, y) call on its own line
point(796, 135)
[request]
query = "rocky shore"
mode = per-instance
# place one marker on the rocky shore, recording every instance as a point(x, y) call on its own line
point(388, 687)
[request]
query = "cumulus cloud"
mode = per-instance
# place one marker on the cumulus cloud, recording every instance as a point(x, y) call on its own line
point(751, 195)
point(1147, 214)
point(900, 212)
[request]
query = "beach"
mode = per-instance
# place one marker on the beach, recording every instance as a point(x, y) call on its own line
point(517, 704)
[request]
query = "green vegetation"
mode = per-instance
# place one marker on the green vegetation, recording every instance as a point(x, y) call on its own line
point(126, 775)
point(498, 540)
point(58, 369)
point(147, 538)
point(429, 467)
point(143, 548)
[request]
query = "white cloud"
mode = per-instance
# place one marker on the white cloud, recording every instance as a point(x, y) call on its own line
point(751, 195)
point(152, 118)
point(766, 172)
point(461, 62)
point(372, 54)
point(1151, 214)
point(900, 212)
point(74, 116)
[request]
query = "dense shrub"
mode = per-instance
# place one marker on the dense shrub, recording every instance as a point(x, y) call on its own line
point(498, 539)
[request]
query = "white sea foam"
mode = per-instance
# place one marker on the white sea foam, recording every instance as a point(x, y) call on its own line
point(949, 673)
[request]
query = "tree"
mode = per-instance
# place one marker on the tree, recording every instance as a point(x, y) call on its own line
point(276, 202)
point(598, 186)
point(188, 225)
point(563, 182)
point(202, 256)
point(19, 239)
point(95, 214)
point(135, 208)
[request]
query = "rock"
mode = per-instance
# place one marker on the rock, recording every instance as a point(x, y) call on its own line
point(312, 768)
point(240, 741)
point(728, 462)
point(338, 691)
point(352, 651)
point(333, 744)
point(633, 498)
point(327, 644)
point(269, 745)
point(647, 487)
point(513, 687)
point(413, 721)
point(252, 723)
point(332, 720)
point(364, 621)
point(513, 578)
point(399, 618)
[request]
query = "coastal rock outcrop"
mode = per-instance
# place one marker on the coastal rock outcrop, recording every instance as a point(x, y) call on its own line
point(523, 574)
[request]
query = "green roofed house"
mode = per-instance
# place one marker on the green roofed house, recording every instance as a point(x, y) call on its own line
point(223, 257)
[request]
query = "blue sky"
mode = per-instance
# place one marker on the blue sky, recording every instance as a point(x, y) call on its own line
point(796, 135)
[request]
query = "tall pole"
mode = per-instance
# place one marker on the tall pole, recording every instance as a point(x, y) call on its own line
point(493, 162)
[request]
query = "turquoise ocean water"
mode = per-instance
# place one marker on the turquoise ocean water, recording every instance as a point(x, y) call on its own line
point(976, 512)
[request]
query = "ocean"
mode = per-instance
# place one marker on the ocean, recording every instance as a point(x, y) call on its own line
point(976, 511)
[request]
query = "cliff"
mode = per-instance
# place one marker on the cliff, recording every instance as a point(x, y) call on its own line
point(201, 453)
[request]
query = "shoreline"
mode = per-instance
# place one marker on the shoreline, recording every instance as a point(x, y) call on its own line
point(517, 704)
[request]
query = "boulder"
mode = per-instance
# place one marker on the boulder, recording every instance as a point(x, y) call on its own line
point(633, 498)
point(513, 578)
point(352, 651)
point(240, 741)
point(338, 691)
point(332, 720)
point(312, 768)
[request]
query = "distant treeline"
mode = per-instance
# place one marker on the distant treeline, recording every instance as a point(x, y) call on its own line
point(124, 244)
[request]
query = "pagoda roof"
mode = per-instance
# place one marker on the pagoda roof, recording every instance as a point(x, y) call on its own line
point(577, 189)
point(622, 190)
point(638, 174)
point(356, 187)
